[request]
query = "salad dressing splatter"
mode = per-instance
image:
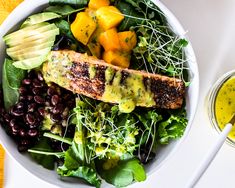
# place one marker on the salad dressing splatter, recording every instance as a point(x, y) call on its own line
point(131, 92)
point(225, 105)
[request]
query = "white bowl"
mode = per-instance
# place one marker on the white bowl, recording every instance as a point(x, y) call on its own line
point(27, 8)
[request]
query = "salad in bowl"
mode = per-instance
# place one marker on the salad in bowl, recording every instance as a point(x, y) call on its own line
point(96, 90)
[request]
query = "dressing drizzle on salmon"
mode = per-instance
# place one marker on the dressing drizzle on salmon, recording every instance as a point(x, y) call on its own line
point(96, 79)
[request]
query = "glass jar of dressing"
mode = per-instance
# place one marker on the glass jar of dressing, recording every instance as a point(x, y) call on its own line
point(221, 104)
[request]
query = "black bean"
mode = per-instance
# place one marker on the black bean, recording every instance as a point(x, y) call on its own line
point(37, 83)
point(39, 99)
point(36, 90)
point(7, 118)
point(26, 81)
point(35, 125)
point(17, 112)
point(23, 98)
point(12, 123)
point(40, 76)
point(15, 129)
point(55, 100)
point(32, 107)
point(22, 132)
point(20, 105)
point(30, 118)
point(55, 117)
point(41, 111)
point(50, 91)
point(22, 90)
point(58, 109)
point(25, 142)
point(33, 132)
point(29, 97)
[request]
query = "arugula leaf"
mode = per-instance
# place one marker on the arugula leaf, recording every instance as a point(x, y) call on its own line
point(172, 128)
point(47, 161)
point(62, 10)
point(11, 80)
point(124, 173)
point(74, 3)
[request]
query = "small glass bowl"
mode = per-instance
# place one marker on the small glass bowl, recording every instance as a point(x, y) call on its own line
point(210, 103)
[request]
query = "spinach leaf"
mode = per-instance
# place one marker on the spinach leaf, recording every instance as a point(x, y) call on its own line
point(14, 75)
point(64, 27)
point(74, 3)
point(74, 167)
point(124, 173)
point(132, 17)
point(11, 79)
point(47, 161)
point(62, 10)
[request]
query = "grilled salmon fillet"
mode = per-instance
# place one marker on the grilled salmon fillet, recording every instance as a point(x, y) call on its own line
point(89, 76)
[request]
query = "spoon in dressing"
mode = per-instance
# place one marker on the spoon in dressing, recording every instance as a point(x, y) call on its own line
point(211, 154)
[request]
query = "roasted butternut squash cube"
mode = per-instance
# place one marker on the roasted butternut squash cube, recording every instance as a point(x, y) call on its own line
point(117, 58)
point(95, 4)
point(109, 40)
point(93, 44)
point(83, 27)
point(127, 40)
point(108, 17)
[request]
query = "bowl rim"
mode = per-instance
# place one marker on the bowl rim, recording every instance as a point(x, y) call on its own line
point(173, 21)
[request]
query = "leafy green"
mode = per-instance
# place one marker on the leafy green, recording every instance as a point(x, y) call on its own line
point(47, 161)
point(13, 74)
point(64, 27)
point(73, 168)
point(172, 128)
point(62, 10)
point(158, 49)
point(74, 3)
point(59, 138)
point(70, 41)
point(132, 17)
point(124, 173)
point(108, 130)
point(11, 80)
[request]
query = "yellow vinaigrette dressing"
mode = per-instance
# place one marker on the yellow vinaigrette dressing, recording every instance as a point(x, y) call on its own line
point(225, 105)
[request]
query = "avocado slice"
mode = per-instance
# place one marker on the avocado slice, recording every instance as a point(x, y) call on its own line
point(29, 34)
point(30, 54)
point(24, 30)
point(17, 50)
point(30, 63)
point(43, 36)
point(39, 18)
point(31, 44)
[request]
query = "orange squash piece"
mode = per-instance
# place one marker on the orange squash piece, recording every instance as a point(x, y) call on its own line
point(117, 58)
point(109, 40)
point(109, 17)
point(95, 4)
point(127, 40)
point(94, 44)
point(83, 27)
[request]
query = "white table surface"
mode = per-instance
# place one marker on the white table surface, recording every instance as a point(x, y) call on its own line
point(211, 29)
